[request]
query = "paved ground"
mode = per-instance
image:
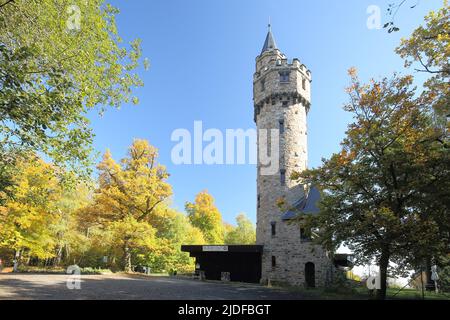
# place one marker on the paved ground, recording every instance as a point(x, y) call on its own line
point(49, 287)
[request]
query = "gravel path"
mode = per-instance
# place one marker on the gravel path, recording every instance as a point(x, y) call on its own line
point(119, 287)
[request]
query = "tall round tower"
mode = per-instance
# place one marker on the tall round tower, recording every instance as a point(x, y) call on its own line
point(281, 94)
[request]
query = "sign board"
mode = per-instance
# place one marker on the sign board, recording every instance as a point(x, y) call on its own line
point(215, 248)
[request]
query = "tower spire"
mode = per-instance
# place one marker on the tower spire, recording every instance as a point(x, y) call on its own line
point(269, 44)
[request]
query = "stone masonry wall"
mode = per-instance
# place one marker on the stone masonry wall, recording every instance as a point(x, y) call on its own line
point(289, 103)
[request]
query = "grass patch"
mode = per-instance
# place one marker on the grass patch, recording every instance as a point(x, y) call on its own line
point(413, 294)
point(61, 270)
point(362, 293)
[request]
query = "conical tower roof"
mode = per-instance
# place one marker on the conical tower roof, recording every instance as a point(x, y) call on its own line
point(269, 44)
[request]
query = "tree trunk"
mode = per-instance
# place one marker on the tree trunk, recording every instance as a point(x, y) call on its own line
point(17, 258)
point(127, 256)
point(58, 257)
point(384, 263)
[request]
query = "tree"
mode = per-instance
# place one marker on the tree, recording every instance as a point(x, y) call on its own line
point(58, 60)
point(386, 193)
point(428, 49)
point(132, 237)
point(66, 231)
point(173, 229)
point(204, 215)
point(28, 217)
point(129, 194)
point(444, 273)
point(243, 233)
point(392, 10)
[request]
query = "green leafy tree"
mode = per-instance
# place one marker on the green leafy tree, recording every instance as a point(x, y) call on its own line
point(58, 60)
point(132, 237)
point(386, 193)
point(68, 237)
point(243, 233)
point(173, 229)
point(204, 215)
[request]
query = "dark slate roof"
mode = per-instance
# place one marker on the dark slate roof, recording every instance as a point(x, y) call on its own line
point(269, 44)
point(306, 205)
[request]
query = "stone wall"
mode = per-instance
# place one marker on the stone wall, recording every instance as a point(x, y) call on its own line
point(285, 102)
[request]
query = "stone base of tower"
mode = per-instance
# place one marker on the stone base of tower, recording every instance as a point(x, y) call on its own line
point(307, 266)
point(290, 259)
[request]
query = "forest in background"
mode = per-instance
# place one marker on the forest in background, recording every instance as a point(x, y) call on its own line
point(121, 220)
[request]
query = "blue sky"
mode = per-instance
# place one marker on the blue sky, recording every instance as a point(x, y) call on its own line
point(202, 55)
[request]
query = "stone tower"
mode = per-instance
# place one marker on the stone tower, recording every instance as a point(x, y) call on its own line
point(281, 94)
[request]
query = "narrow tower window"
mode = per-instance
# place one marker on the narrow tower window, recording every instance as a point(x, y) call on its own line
point(283, 177)
point(304, 84)
point(263, 85)
point(273, 228)
point(274, 262)
point(284, 76)
point(281, 123)
point(259, 200)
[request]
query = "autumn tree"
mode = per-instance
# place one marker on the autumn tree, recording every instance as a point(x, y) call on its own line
point(27, 219)
point(129, 193)
point(243, 233)
point(386, 193)
point(427, 52)
point(204, 215)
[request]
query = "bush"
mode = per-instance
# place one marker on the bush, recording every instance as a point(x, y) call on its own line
point(340, 284)
point(89, 270)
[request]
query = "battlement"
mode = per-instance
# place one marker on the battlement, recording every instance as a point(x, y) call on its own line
point(279, 78)
point(280, 64)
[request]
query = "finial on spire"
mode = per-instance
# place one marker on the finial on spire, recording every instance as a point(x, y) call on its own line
point(269, 44)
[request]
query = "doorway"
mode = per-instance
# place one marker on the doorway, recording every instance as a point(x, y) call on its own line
point(310, 277)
